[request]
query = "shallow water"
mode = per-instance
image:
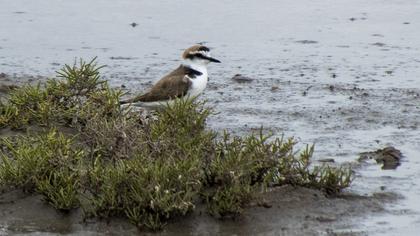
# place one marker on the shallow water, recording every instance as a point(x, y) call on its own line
point(344, 76)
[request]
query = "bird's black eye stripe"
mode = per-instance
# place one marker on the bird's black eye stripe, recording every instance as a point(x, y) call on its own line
point(197, 55)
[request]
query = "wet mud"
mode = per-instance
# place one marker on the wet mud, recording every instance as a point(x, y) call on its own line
point(284, 210)
point(342, 76)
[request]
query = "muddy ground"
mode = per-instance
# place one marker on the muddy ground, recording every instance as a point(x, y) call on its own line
point(286, 211)
point(344, 76)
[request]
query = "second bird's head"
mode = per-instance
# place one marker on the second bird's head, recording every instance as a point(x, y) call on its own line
point(198, 54)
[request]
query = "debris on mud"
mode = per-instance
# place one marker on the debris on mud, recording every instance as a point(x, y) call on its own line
point(242, 79)
point(306, 41)
point(327, 160)
point(121, 58)
point(390, 157)
point(379, 44)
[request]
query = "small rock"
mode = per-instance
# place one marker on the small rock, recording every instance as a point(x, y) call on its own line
point(134, 24)
point(352, 19)
point(274, 88)
point(390, 157)
point(331, 87)
point(123, 86)
point(242, 79)
point(389, 72)
point(334, 75)
point(327, 160)
point(406, 23)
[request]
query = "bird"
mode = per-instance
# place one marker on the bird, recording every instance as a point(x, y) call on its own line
point(187, 81)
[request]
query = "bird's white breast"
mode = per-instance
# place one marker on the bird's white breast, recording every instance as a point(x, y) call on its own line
point(199, 83)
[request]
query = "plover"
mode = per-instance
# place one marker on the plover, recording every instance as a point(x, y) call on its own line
point(187, 81)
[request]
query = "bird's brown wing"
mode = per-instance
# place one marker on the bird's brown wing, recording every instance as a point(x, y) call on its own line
point(174, 85)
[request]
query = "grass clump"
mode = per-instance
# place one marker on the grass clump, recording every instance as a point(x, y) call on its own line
point(45, 163)
point(297, 171)
point(88, 152)
point(74, 97)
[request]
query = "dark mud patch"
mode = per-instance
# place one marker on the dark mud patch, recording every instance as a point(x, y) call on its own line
point(389, 157)
point(284, 210)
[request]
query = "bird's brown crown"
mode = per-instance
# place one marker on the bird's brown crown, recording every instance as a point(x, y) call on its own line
point(195, 50)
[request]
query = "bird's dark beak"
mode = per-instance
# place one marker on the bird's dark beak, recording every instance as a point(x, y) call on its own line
point(201, 56)
point(209, 58)
point(213, 60)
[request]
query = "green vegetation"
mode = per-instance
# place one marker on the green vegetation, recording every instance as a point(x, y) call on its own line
point(82, 150)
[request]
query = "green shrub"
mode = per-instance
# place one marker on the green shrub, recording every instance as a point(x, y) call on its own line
point(60, 189)
point(297, 171)
point(161, 189)
point(46, 163)
point(113, 161)
point(74, 97)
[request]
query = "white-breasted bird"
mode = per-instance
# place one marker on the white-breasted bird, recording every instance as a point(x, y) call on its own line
point(187, 81)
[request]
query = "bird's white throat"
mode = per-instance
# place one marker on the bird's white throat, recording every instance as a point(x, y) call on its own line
point(199, 83)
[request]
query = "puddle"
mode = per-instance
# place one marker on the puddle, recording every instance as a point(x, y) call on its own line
point(343, 76)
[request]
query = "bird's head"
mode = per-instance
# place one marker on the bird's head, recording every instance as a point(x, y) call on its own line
point(198, 54)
